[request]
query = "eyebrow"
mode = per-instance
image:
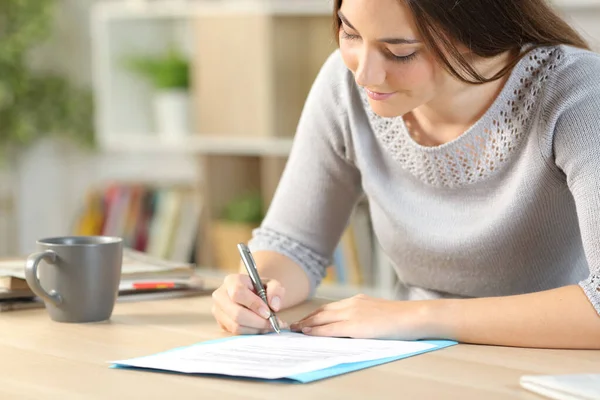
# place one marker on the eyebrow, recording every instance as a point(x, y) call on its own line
point(384, 40)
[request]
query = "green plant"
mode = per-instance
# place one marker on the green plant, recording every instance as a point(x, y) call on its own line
point(34, 104)
point(166, 71)
point(247, 209)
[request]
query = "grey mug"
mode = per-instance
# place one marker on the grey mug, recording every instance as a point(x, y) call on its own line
point(78, 277)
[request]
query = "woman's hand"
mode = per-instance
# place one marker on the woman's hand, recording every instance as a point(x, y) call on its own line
point(239, 310)
point(367, 318)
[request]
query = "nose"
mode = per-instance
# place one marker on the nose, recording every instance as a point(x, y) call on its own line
point(370, 71)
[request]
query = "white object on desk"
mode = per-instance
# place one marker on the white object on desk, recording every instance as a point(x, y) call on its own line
point(564, 387)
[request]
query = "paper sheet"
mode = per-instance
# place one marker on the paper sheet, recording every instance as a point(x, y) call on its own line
point(275, 356)
point(14, 268)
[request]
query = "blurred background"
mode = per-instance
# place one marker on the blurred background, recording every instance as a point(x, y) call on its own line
point(167, 122)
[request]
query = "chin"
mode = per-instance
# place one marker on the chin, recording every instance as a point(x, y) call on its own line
point(386, 110)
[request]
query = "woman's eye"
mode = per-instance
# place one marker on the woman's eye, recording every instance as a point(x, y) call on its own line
point(347, 35)
point(405, 58)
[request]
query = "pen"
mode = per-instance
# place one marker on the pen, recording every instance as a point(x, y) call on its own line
point(258, 286)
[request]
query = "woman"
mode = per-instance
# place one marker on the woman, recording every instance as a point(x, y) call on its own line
point(473, 129)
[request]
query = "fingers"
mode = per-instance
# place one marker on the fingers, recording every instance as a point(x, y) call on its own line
point(321, 318)
point(237, 313)
point(275, 293)
point(337, 306)
point(238, 309)
point(230, 325)
point(336, 329)
point(240, 292)
point(309, 316)
point(336, 319)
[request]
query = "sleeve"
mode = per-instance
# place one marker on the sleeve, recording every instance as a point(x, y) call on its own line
point(577, 153)
point(320, 185)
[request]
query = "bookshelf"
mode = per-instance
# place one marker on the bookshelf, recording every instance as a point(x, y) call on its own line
point(197, 144)
point(252, 65)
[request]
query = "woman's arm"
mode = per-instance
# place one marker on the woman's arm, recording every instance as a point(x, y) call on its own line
point(317, 192)
point(557, 318)
point(312, 204)
point(567, 317)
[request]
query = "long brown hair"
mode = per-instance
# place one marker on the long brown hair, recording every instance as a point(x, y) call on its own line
point(487, 27)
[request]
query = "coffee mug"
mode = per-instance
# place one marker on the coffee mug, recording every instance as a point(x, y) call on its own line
point(78, 278)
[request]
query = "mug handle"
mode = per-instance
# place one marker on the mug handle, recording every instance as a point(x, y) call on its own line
point(32, 280)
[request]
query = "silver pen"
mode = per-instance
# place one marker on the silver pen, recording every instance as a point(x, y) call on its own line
point(258, 286)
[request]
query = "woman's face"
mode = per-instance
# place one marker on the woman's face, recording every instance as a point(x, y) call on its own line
point(379, 43)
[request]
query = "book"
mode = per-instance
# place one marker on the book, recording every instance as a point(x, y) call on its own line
point(162, 221)
point(20, 304)
point(12, 267)
point(137, 268)
point(136, 264)
point(13, 283)
point(8, 294)
point(129, 290)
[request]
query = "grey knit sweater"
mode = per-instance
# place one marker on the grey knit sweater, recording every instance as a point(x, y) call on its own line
point(511, 206)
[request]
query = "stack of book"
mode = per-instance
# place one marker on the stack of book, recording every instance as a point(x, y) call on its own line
point(160, 221)
point(142, 277)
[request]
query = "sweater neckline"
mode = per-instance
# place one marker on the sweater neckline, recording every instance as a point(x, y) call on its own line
point(487, 144)
point(499, 101)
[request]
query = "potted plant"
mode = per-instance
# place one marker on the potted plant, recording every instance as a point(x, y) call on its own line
point(235, 225)
point(34, 103)
point(168, 73)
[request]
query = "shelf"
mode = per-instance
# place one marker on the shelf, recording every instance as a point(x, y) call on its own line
point(198, 144)
point(575, 4)
point(189, 8)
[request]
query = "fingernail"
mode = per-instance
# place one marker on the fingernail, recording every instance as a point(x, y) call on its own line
point(275, 303)
point(264, 312)
point(283, 324)
point(306, 330)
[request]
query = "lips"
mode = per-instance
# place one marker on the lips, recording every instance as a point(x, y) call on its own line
point(378, 96)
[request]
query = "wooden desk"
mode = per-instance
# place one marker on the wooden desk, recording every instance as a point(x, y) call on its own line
point(42, 359)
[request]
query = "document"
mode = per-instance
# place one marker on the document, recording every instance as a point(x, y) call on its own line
point(13, 267)
point(288, 355)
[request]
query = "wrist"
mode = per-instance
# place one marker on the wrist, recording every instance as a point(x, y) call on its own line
point(436, 319)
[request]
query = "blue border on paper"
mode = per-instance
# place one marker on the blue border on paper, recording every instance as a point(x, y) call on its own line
point(305, 377)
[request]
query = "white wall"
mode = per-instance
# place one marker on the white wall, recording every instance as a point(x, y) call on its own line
point(587, 21)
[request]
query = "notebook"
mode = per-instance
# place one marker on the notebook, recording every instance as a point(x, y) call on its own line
point(288, 357)
point(136, 265)
point(564, 387)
